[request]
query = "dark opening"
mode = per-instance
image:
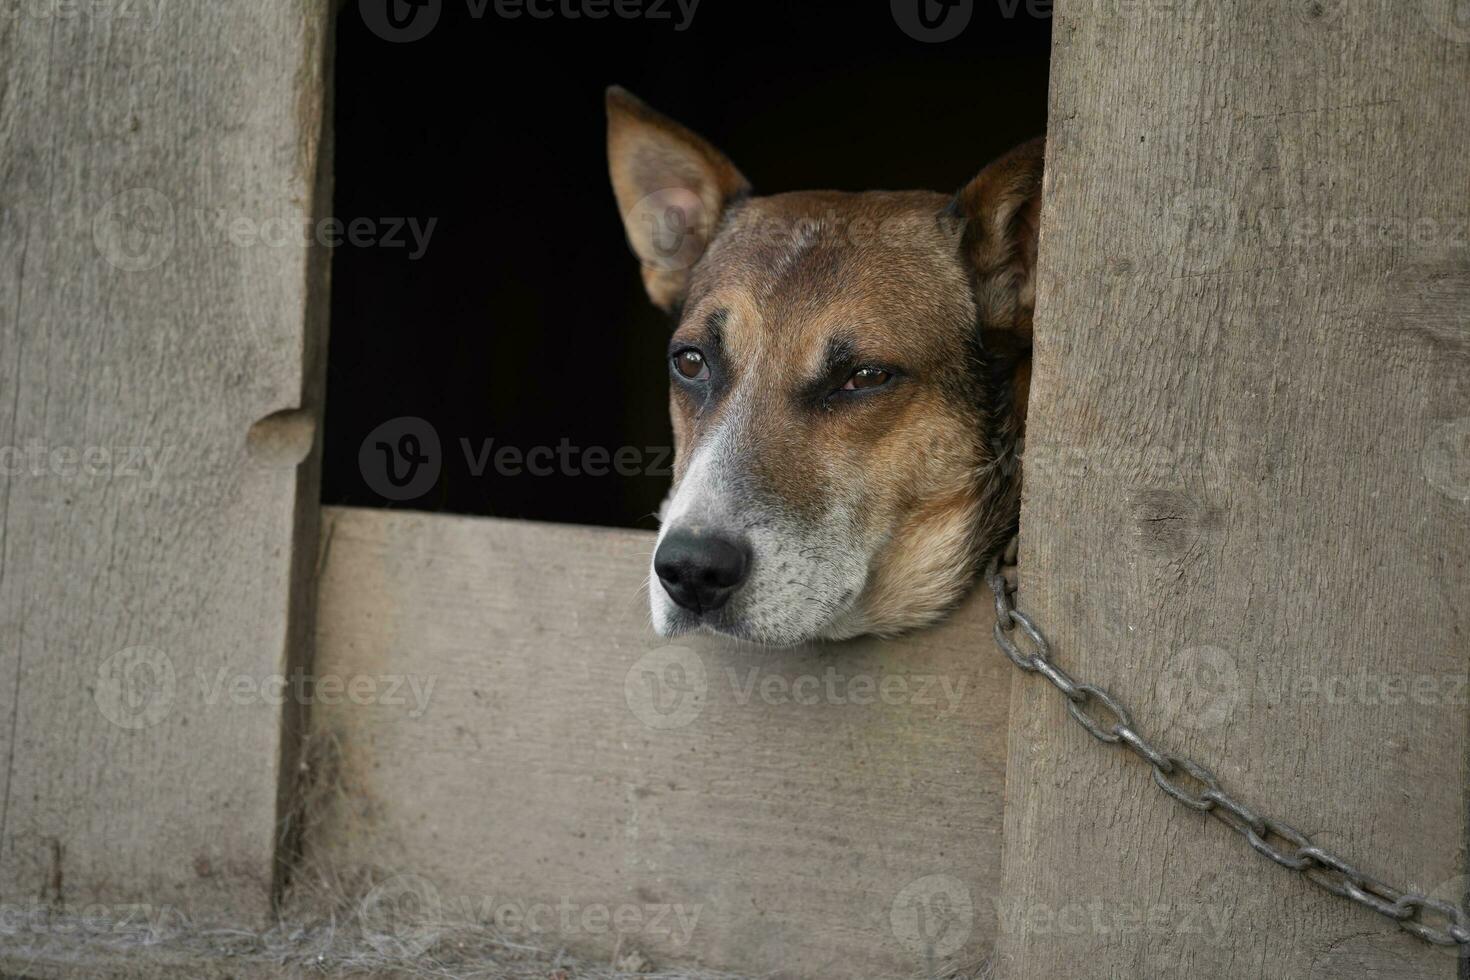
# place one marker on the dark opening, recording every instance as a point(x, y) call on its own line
point(483, 284)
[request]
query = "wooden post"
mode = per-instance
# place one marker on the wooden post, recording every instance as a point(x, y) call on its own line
point(161, 320)
point(1246, 483)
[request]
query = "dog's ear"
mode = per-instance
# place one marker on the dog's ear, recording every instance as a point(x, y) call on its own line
point(671, 187)
point(1001, 210)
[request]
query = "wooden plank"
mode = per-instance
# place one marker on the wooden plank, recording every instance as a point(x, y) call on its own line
point(140, 963)
point(147, 521)
point(1246, 483)
point(813, 813)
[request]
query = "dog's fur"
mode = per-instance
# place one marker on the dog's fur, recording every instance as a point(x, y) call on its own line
point(865, 511)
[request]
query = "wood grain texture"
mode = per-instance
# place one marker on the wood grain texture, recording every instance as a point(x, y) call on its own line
point(146, 522)
point(794, 804)
point(142, 963)
point(1246, 483)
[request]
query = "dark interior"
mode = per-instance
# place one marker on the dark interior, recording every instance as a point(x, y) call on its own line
point(519, 317)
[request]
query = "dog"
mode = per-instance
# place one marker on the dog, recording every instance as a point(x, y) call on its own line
point(848, 373)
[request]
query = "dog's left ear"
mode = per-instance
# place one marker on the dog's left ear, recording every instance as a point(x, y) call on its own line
point(1001, 212)
point(672, 186)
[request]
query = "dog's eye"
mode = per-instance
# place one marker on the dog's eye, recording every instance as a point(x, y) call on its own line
point(866, 377)
point(690, 364)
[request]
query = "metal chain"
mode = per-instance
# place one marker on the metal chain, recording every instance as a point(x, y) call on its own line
point(1106, 719)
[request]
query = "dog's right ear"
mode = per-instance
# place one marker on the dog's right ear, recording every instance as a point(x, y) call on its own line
point(1000, 211)
point(672, 186)
point(999, 214)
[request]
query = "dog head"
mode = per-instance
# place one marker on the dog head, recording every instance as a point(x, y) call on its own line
point(848, 378)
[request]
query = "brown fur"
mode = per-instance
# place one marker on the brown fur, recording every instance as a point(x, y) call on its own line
point(903, 279)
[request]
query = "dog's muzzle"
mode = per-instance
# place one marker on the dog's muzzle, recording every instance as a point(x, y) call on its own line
point(701, 569)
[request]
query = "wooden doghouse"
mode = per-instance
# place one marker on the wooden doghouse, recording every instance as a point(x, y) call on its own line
point(1247, 512)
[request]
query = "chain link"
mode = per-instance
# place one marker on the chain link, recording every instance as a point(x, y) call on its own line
point(1107, 720)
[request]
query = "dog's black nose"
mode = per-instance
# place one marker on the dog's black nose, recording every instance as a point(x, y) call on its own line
point(700, 570)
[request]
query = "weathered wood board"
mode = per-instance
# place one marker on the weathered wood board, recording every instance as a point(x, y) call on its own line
point(157, 299)
point(1247, 478)
point(824, 812)
point(142, 963)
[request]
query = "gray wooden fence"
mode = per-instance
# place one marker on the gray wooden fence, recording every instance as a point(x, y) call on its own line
point(158, 398)
point(1243, 509)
